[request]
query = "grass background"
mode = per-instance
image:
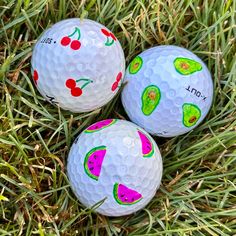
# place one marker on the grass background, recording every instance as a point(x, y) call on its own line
point(198, 192)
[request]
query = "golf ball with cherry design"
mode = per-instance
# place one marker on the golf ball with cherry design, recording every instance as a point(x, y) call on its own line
point(115, 161)
point(78, 64)
point(169, 90)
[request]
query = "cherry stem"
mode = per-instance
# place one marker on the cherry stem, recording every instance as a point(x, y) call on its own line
point(77, 30)
point(88, 81)
point(109, 43)
point(83, 79)
point(85, 84)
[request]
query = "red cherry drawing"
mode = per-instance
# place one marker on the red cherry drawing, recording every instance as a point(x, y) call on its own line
point(70, 83)
point(113, 36)
point(35, 76)
point(104, 31)
point(75, 44)
point(65, 41)
point(118, 77)
point(114, 86)
point(76, 92)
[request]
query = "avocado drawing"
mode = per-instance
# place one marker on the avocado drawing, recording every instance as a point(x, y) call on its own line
point(150, 99)
point(191, 114)
point(135, 65)
point(186, 66)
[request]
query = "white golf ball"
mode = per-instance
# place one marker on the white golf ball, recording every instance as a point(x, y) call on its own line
point(78, 64)
point(115, 161)
point(169, 90)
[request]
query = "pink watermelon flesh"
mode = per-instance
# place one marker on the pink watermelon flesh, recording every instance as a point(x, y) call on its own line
point(99, 125)
point(93, 161)
point(147, 148)
point(125, 195)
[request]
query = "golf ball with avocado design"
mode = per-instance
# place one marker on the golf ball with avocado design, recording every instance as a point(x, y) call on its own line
point(169, 90)
point(115, 161)
point(78, 65)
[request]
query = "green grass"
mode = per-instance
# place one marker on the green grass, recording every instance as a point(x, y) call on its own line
point(198, 192)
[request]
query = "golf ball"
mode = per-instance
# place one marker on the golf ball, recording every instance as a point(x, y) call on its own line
point(117, 164)
point(169, 90)
point(78, 65)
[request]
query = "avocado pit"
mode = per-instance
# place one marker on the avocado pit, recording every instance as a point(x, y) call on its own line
point(192, 119)
point(184, 65)
point(152, 95)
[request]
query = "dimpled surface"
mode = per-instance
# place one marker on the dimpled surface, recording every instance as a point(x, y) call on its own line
point(176, 90)
point(98, 60)
point(123, 164)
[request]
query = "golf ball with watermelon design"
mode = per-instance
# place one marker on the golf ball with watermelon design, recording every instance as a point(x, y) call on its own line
point(115, 161)
point(169, 90)
point(78, 65)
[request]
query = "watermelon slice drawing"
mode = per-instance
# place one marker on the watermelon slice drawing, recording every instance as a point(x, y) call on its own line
point(124, 195)
point(147, 146)
point(93, 162)
point(100, 125)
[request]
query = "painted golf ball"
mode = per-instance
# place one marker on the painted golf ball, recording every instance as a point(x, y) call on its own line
point(115, 161)
point(169, 91)
point(78, 65)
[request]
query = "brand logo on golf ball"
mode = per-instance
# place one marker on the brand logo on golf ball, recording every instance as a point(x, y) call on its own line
point(77, 91)
point(150, 99)
point(135, 65)
point(110, 37)
point(74, 43)
point(191, 114)
point(196, 92)
point(51, 99)
point(100, 125)
point(116, 83)
point(186, 66)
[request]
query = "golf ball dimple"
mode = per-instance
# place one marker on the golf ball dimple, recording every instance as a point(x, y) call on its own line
point(169, 90)
point(125, 173)
point(78, 65)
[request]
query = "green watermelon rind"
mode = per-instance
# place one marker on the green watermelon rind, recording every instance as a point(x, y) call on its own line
point(191, 104)
point(86, 169)
point(115, 194)
point(93, 131)
point(150, 154)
